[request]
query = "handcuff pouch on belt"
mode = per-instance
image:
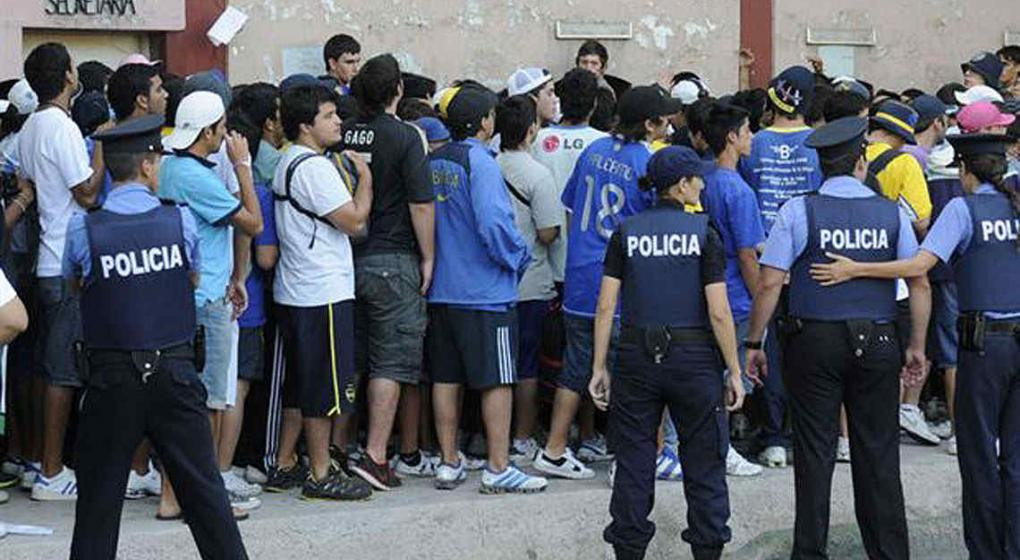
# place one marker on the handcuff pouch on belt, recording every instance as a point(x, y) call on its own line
point(145, 361)
point(972, 331)
point(657, 342)
point(859, 332)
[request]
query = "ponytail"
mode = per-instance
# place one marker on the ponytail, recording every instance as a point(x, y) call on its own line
point(991, 169)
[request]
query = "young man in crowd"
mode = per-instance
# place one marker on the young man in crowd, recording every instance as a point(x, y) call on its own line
point(539, 219)
point(779, 168)
point(54, 158)
point(314, 287)
point(473, 317)
point(536, 83)
point(393, 270)
point(984, 69)
point(594, 57)
point(733, 208)
point(342, 57)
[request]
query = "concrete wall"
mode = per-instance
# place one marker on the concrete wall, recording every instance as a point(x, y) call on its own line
point(921, 43)
point(488, 39)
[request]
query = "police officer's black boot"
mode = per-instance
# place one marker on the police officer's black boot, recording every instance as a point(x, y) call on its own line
point(706, 552)
point(623, 553)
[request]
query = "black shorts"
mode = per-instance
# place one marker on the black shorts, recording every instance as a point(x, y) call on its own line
point(250, 354)
point(472, 347)
point(531, 326)
point(319, 348)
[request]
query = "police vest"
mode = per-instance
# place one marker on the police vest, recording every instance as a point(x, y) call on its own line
point(139, 295)
point(863, 229)
point(662, 250)
point(987, 272)
point(942, 190)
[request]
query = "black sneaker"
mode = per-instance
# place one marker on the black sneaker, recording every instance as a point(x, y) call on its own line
point(9, 480)
point(340, 459)
point(380, 476)
point(282, 480)
point(336, 486)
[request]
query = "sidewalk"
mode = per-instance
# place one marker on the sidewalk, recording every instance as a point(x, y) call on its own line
point(565, 523)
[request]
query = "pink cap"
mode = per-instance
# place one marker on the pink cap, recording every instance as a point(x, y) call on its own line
point(137, 58)
point(982, 114)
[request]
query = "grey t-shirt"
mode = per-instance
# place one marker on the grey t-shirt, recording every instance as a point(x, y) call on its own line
point(534, 183)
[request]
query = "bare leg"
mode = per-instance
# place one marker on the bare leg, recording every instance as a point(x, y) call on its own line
point(951, 394)
point(564, 409)
point(341, 431)
point(58, 408)
point(230, 428)
point(317, 436)
point(383, 396)
point(216, 424)
point(496, 406)
point(140, 462)
point(427, 432)
point(525, 408)
point(410, 414)
point(446, 403)
point(168, 505)
point(844, 428)
point(290, 431)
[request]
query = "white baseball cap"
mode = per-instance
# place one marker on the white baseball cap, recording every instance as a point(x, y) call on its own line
point(527, 80)
point(196, 111)
point(978, 93)
point(21, 97)
point(686, 91)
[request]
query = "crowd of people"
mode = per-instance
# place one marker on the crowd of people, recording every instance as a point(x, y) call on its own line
point(394, 278)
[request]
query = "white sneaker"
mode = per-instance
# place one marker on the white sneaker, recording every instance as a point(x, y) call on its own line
point(943, 429)
point(13, 467)
point(912, 421)
point(243, 503)
point(773, 457)
point(843, 450)
point(62, 487)
point(594, 450)
point(238, 486)
point(425, 467)
point(612, 474)
point(450, 476)
point(511, 481)
point(29, 473)
point(951, 446)
point(252, 475)
point(523, 451)
point(141, 486)
point(566, 466)
point(737, 465)
point(471, 463)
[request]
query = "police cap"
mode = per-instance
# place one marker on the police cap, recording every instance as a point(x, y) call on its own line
point(979, 144)
point(135, 136)
point(838, 139)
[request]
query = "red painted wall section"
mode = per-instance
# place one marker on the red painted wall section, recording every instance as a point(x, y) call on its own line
point(756, 36)
point(190, 51)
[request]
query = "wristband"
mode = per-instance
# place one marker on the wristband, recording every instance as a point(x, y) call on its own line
point(244, 163)
point(753, 345)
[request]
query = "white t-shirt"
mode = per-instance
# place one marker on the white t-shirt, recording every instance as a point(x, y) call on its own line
point(53, 156)
point(316, 266)
point(7, 292)
point(557, 147)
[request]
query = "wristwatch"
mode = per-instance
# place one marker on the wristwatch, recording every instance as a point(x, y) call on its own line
point(752, 344)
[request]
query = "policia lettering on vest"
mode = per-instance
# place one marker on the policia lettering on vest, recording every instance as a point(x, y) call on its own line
point(845, 341)
point(668, 268)
point(135, 261)
point(976, 236)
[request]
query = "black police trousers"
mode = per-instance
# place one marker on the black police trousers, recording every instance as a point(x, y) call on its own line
point(987, 411)
point(823, 370)
point(118, 409)
point(689, 382)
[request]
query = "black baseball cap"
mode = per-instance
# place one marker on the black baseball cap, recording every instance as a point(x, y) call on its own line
point(647, 102)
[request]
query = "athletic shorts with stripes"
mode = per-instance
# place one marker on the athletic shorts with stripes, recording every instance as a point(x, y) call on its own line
point(319, 347)
point(472, 347)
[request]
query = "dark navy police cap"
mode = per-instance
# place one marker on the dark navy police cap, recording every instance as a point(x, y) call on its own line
point(139, 135)
point(979, 144)
point(838, 138)
point(672, 163)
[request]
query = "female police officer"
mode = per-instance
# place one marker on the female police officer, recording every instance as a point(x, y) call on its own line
point(671, 268)
point(977, 236)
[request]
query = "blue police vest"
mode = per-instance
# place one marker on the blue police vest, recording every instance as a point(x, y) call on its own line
point(942, 190)
point(863, 229)
point(662, 250)
point(987, 271)
point(139, 295)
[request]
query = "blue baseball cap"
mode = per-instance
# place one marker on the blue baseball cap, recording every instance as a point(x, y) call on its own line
point(296, 80)
point(672, 163)
point(928, 108)
point(435, 130)
point(791, 91)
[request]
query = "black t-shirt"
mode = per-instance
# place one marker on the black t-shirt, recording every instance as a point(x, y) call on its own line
point(400, 175)
point(713, 258)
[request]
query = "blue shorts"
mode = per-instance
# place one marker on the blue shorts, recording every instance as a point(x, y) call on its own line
point(945, 310)
point(221, 333)
point(577, 357)
point(530, 323)
point(59, 329)
point(472, 347)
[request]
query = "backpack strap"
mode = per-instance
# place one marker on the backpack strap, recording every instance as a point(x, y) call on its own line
point(286, 197)
point(517, 193)
point(878, 165)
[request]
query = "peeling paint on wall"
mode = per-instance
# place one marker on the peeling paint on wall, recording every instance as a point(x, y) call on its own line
point(660, 33)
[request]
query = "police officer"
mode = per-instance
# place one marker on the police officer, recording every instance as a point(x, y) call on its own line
point(846, 348)
point(135, 261)
point(977, 236)
point(671, 268)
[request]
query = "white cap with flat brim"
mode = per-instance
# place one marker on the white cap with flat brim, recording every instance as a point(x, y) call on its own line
point(526, 80)
point(977, 94)
point(196, 111)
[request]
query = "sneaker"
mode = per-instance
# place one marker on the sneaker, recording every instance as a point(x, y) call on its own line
point(612, 474)
point(912, 422)
point(243, 503)
point(737, 465)
point(250, 474)
point(8, 480)
point(566, 466)
point(61, 487)
point(843, 450)
point(237, 485)
point(337, 485)
point(943, 429)
point(951, 446)
point(450, 476)
point(471, 463)
point(142, 486)
point(523, 451)
point(380, 476)
point(667, 466)
point(282, 480)
point(594, 450)
point(14, 466)
point(511, 481)
point(773, 457)
point(29, 473)
point(422, 466)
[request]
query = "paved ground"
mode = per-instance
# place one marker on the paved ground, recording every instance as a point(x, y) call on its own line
point(418, 522)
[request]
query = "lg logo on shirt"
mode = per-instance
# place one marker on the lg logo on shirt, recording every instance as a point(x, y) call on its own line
point(552, 143)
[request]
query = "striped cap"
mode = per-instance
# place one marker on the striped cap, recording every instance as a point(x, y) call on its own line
point(898, 119)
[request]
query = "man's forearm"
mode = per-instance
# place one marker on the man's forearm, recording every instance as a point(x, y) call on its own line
point(242, 255)
point(750, 270)
point(920, 309)
point(423, 219)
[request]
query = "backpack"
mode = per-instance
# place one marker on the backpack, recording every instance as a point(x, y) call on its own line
point(878, 165)
point(286, 197)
